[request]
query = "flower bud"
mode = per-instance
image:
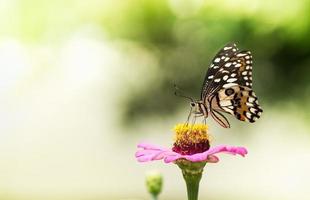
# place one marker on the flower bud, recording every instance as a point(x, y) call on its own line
point(154, 182)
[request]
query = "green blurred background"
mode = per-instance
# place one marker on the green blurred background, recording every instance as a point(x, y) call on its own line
point(82, 82)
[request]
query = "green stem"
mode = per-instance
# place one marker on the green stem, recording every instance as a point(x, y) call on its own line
point(192, 173)
point(154, 197)
point(192, 185)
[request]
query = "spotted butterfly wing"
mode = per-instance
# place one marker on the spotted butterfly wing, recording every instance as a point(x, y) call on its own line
point(228, 86)
point(241, 102)
point(217, 63)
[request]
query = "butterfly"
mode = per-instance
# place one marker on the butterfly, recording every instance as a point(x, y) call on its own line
point(227, 88)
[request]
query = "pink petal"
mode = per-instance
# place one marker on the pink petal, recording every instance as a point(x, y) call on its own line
point(172, 157)
point(150, 152)
point(212, 159)
point(146, 145)
point(218, 149)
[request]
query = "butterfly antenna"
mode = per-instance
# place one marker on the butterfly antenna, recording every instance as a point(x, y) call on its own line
point(179, 94)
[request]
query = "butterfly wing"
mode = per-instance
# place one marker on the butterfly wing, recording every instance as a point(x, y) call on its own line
point(236, 95)
point(220, 118)
point(236, 70)
point(229, 88)
point(241, 102)
point(217, 63)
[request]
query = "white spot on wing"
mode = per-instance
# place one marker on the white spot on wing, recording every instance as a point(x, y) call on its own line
point(210, 77)
point(248, 115)
point(225, 77)
point(228, 110)
point(251, 99)
point(228, 64)
point(217, 80)
point(249, 104)
point(216, 60)
point(241, 54)
point(231, 80)
point(253, 110)
point(228, 85)
point(225, 103)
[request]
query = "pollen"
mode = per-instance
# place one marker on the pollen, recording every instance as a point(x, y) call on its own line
point(191, 138)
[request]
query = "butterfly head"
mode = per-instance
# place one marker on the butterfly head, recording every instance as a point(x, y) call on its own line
point(198, 108)
point(193, 104)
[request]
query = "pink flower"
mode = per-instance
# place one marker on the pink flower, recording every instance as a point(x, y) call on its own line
point(192, 143)
point(150, 152)
point(191, 151)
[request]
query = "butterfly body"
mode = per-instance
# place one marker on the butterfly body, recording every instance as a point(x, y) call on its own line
point(227, 88)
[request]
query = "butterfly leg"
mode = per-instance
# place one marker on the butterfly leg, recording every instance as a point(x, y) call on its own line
point(204, 121)
point(196, 116)
point(194, 119)
point(189, 116)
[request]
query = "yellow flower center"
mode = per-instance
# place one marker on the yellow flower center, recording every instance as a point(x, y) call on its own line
point(193, 133)
point(191, 138)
